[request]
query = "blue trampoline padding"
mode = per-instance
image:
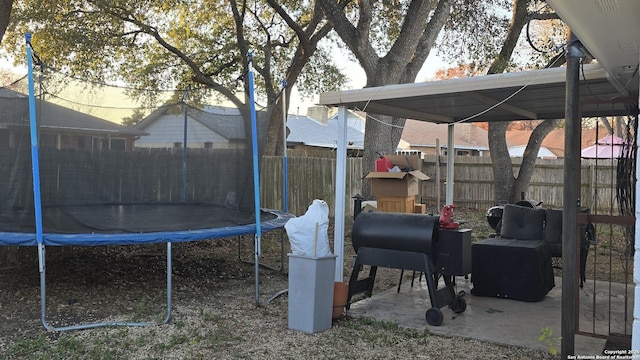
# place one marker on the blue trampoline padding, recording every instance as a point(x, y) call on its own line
point(29, 239)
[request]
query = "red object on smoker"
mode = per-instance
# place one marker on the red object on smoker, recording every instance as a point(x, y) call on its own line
point(446, 218)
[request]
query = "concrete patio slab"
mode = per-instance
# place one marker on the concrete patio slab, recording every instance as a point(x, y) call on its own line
point(505, 321)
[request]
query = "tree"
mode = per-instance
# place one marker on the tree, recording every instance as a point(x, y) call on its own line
point(134, 119)
point(506, 50)
point(5, 15)
point(475, 32)
point(406, 30)
point(202, 44)
point(508, 186)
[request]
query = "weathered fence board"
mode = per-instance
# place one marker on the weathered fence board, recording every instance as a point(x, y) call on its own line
point(309, 179)
point(313, 178)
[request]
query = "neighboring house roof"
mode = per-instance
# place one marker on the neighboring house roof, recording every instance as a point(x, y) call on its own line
point(307, 131)
point(555, 140)
point(543, 153)
point(226, 122)
point(466, 136)
point(14, 111)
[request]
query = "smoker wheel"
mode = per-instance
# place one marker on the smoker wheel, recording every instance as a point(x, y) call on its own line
point(434, 316)
point(459, 305)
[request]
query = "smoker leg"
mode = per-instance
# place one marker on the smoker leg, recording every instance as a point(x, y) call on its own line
point(431, 283)
point(441, 297)
point(434, 315)
point(358, 286)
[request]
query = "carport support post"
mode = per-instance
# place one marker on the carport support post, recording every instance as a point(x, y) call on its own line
point(635, 334)
point(451, 152)
point(341, 190)
point(571, 197)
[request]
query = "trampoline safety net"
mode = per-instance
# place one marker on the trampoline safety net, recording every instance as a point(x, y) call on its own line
point(99, 177)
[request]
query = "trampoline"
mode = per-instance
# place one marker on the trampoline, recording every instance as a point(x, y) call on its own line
point(133, 224)
point(63, 182)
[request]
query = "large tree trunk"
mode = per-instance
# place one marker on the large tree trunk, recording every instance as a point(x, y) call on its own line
point(503, 176)
point(5, 14)
point(308, 37)
point(509, 187)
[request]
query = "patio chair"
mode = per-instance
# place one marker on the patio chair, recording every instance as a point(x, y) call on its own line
point(553, 238)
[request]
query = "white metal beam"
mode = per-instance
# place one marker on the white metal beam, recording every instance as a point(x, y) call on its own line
point(451, 151)
point(341, 190)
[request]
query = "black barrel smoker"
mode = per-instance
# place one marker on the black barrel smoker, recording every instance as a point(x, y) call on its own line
point(411, 242)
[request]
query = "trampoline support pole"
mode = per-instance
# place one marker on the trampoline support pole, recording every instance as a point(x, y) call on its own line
point(256, 185)
point(285, 185)
point(285, 170)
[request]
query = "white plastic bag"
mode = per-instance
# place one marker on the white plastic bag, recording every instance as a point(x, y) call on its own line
point(310, 231)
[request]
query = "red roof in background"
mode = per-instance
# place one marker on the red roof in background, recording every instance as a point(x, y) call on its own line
point(555, 140)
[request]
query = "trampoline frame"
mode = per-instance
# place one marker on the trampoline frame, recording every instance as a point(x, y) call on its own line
point(41, 240)
point(180, 236)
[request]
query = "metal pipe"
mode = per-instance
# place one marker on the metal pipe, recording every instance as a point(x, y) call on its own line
point(341, 190)
point(256, 179)
point(285, 170)
point(184, 147)
point(357, 205)
point(451, 152)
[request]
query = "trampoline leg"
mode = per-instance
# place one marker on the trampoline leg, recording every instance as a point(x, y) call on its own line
point(43, 299)
point(169, 283)
point(270, 267)
point(43, 287)
point(257, 265)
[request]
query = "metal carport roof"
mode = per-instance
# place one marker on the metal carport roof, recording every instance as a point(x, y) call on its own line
point(527, 95)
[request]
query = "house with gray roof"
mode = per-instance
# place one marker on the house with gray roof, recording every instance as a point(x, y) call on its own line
point(211, 127)
point(60, 127)
point(469, 139)
point(318, 131)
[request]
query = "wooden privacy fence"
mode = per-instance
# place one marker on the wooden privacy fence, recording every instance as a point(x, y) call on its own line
point(314, 178)
point(309, 179)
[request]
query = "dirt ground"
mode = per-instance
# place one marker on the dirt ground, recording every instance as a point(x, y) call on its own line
point(87, 284)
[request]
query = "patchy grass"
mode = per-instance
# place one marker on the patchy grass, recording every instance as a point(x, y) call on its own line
point(214, 312)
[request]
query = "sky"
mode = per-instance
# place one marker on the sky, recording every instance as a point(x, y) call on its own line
point(358, 78)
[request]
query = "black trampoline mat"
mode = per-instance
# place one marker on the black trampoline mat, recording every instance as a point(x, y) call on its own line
point(129, 218)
